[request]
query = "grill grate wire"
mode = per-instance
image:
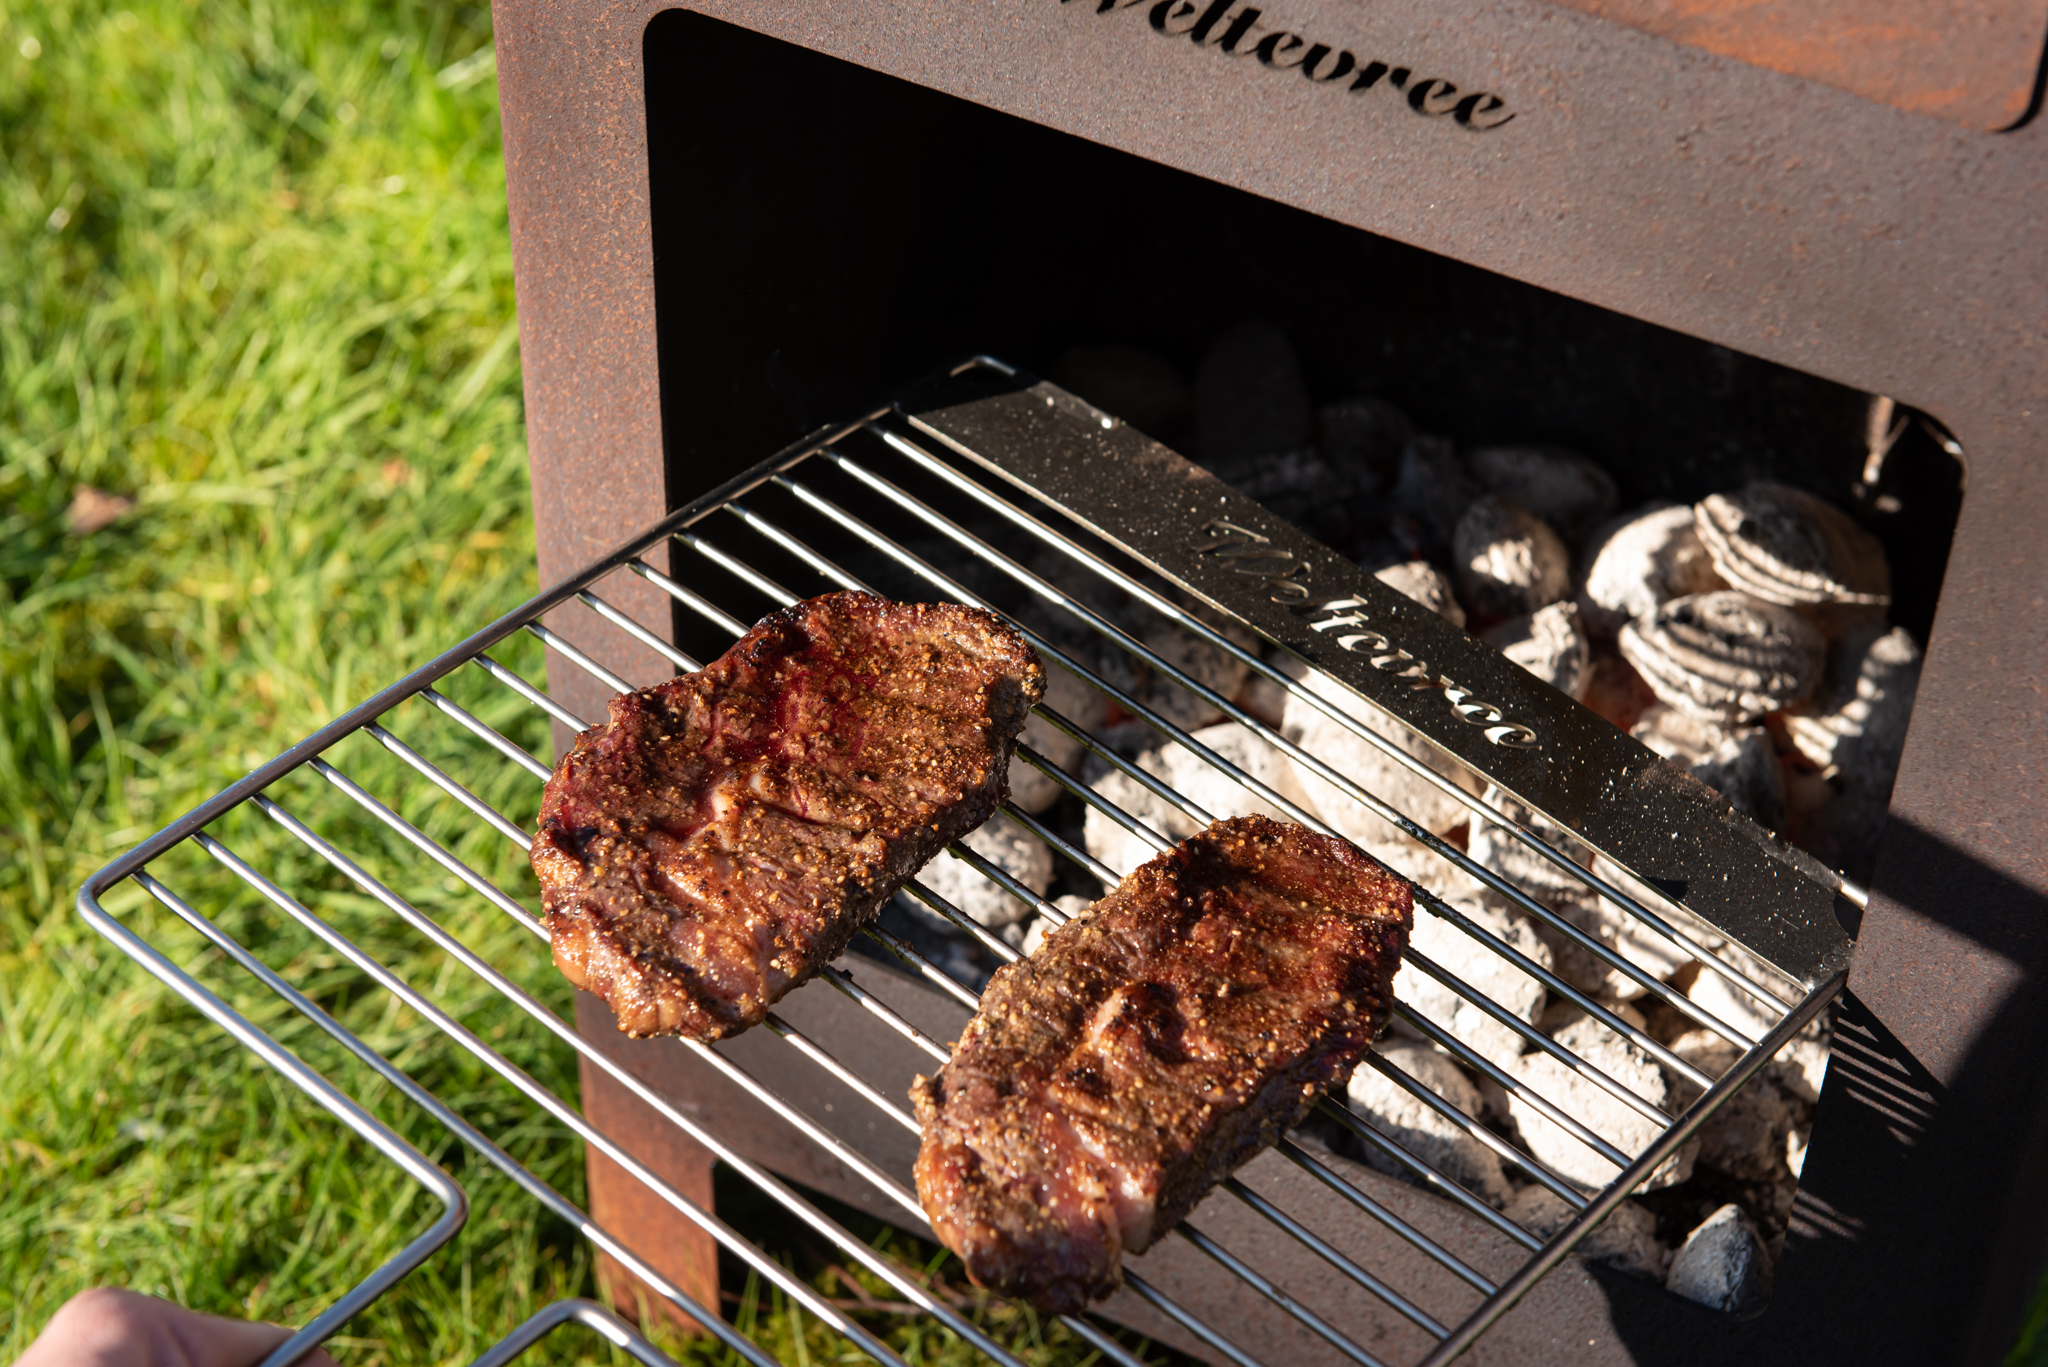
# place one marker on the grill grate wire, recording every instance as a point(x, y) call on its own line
point(786, 540)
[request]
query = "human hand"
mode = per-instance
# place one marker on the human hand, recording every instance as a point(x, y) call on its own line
point(109, 1327)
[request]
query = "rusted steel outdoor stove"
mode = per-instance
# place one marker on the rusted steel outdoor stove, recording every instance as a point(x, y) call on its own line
point(733, 225)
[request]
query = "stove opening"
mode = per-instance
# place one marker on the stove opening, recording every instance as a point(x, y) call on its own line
point(1735, 561)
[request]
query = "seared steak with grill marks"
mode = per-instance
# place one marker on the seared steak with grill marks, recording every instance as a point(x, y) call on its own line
point(1153, 1045)
point(725, 833)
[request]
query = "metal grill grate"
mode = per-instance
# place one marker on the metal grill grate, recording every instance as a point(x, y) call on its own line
point(809, 521)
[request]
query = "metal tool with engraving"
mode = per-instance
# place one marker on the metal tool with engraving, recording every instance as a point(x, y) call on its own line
point(987, 487)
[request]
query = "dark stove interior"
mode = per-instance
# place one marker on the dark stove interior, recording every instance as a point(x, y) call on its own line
point(825, 234)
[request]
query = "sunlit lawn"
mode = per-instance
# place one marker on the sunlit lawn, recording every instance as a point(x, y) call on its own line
point(260, 451)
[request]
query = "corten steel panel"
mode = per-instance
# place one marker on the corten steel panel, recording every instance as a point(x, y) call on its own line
point(1893, 252)
point(1976, 62)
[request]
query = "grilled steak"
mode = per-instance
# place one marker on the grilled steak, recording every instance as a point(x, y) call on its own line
point(726, 833)
point(1150, 1047)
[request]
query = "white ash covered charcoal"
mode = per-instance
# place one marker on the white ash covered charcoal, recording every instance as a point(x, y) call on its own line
point(1550, 643)
point(1418, 1127)
point(1722, 1265)
point(1193, 778)
point(1110, 842)
point(1622, 1126)
point(1613, 928)
point(1616, 691)
point(1736, 1006)
point(1366, 765)
point(1213, 668)
point(1746, 1137)
point(1856, 720)
point(1426, 584)
point(1795, 1151)
point(1480, 968)
point(1010, 848)
point(1615, 931)
point(1431, 491)
point(1738, 762)
point(1130, 383)
point(1852, 730)
point(1250, 400)
point(1725, 656)
point(1509, 562)
point(1640, 562)
point(1031, 790)
point(1625, 1240)
point(1801, 1066)
point(1563, 488)
point(1034, 936)
point(1784, 545)
point(1495, 847)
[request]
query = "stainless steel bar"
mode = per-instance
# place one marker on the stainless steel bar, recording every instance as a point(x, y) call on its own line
point(418, 1095)
point(1335, 1257)
point(1552, 1253)
point(478, 884)
point(1265, 1287)
point(817, 1055)
point(530, 693)
point(1145, 1291)
point(567, 649)
point(1435, 1180)
point(940, 906)
point(484, 732)
point(454, 1201)
point(920, 965)
point(1422, 963)
point(590, 1315)
point(475, 805)
point(1302, 1159)
point(703, 607)
point(1000, 876)
point(619, 619)
point(880, 1009)
point(1058, 846)
point(1507, 1082)
point(1132, 645)
point(739, 569)
point(1558, 1186)
point(1051, 536)
point(1150, 782)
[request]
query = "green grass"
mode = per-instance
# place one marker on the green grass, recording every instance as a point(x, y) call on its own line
point(255, 276)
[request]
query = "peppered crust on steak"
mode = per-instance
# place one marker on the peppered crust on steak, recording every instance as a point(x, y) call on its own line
point(725, 833)
point(1150, 1047)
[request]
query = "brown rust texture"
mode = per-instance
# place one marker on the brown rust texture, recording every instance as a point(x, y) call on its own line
point(1969, 61)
